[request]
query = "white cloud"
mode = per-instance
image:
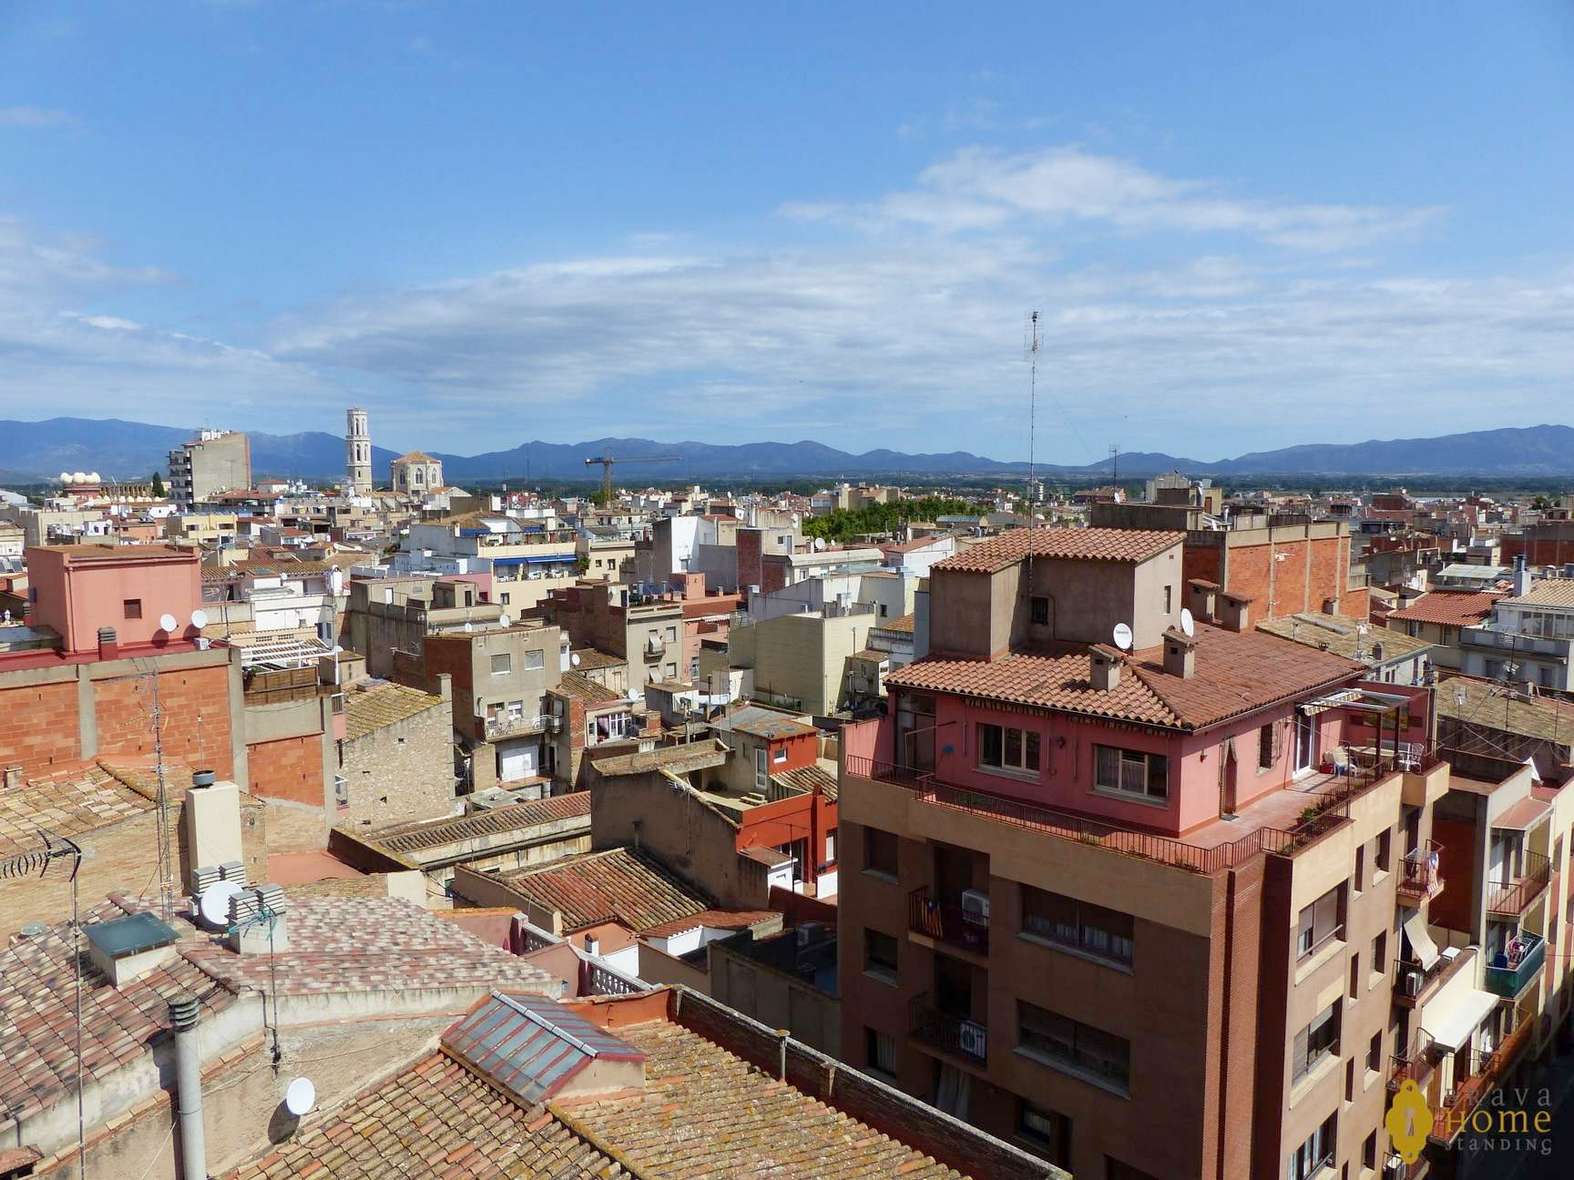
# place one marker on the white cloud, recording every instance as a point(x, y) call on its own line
point(908, 336)
point(25, 116)
point(980, 187)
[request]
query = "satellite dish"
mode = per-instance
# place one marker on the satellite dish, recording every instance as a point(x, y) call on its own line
point(300, 1097)
point(574, 660)
point(1188, 624)
point(199, 619)
point(1122, 636)
point(505, 620)
point(214, 904)
point(168, 623)
point(635, 695)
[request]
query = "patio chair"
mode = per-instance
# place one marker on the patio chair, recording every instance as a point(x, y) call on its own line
point(1339, 758)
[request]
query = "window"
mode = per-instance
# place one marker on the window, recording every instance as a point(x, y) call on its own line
point(1000, 747)
point(1369, 1152)
point(1317, 1152)
point(880, 1054)
point(672, 634)
point(1355, 976)
point(1385, 850)
point(535, 661)
point(1168, 600)
point(830, 847)
point(1038, 610)
point(1080, 925)
point(1267, 746)
point(1048, 1131)
point(1360, 867)
point(1064, 1042)
point(502, 664)
point(1316, 1042)
point(1374, 1052)
point(1321, 921)
point(880, 851)
point(1380, 953)
point(880, 950)
point(1131, 772)
point(131, 608)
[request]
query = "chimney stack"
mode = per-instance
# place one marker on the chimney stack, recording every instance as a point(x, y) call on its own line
point(1521, 576)
point(108, 644)
point(1234, 611)
point(592, 945)
point(1105, 670)
point(11, 776)
point(1202, 595)
point(184, 1011)
point(1180, 654)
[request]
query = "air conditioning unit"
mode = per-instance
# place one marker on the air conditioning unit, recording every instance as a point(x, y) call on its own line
point(975, 1040)
point(975, 906)
point(1411, 985)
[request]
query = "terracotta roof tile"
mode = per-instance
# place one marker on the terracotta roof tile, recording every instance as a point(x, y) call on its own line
point(581, 687)
point(518, 817)
point(1546, 592)
point(1235, 673)
point(809, 779)
point(1449, 608)
point(617, 885)
point(374, 706)
point(1092, 544)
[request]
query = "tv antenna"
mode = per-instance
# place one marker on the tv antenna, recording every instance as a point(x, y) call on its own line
point(1114, 464)
point(1034, 343)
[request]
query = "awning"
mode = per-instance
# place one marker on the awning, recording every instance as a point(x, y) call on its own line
point(1332, 700)
point(1420, 941)
point(1522, 815)
point(1451, 1018)
point(535, 559)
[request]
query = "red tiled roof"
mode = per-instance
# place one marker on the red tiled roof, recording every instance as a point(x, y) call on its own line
point(1450, 608)
point(1234, 673)
point(618, 885)
point(996, 553)
point(497, 821)
point(581, 687)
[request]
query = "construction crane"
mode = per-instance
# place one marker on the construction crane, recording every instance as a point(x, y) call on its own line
point(607, 461)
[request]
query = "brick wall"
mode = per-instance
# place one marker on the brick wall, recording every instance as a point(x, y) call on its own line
point(400, 772)
point(40, 726)
point(289, 768)
point(194, 704)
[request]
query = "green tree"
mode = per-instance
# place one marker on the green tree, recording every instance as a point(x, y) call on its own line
point(158, 486)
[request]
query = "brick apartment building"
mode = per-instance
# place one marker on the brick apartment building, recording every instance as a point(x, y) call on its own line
point(1167, 912)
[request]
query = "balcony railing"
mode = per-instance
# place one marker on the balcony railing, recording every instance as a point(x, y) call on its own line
point(1414, 983)
point(1513, 898)
point(1419, 874)
point(950, 1034)
point(1486, 1070)
point(946, 922)
point(1509, 980)
point(504, 725)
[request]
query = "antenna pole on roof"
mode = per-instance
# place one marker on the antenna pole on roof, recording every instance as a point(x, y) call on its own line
point(1033, 345)
point(1114, 462)
point(166, 870)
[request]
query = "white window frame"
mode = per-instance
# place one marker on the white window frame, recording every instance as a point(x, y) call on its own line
point(1127, 772)
point(1026, 741)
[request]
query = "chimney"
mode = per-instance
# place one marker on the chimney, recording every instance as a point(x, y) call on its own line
point(184, 1011)
point(1180, 654)
point(108, 644)
point(212, 823)
point(592, 945)
point(11, 776)
point(1234, 611)
point(1201, 595)
point(1105, 667)
point(1521, 576)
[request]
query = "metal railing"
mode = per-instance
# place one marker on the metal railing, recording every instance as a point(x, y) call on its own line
point(946, 1032)
point(1412, 982)
point(1509, 979)
point(946, 922)
point(505, 725)
point(1419, 872)
point(1513, 898)
point(1486, 1070)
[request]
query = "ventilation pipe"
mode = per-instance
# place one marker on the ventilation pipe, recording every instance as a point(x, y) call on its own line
point(184, 1010)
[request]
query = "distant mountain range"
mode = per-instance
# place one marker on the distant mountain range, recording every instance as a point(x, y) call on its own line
point(132, 450)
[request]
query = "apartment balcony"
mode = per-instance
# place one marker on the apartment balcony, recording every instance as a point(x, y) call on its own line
point(947, 924)
point(1420, 878)
point(955, 1035)
point(508, 726)
point(1486, 1071)
point(1509, 981)
point(1510, 899)
point(1414, 984)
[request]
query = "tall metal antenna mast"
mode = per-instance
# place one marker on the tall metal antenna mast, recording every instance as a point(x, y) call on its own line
point(1114, 459)
point(1033, 345)
point(166, 867)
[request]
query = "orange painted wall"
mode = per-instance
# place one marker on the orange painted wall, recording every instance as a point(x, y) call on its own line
point(290, 768)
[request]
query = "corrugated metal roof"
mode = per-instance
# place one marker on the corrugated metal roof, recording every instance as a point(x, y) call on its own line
point(531, 1048)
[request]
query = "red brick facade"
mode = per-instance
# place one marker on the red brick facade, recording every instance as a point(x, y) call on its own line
point(289, 768)
point(40, 728)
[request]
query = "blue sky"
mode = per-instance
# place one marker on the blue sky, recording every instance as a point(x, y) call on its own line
point(1244, 225)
